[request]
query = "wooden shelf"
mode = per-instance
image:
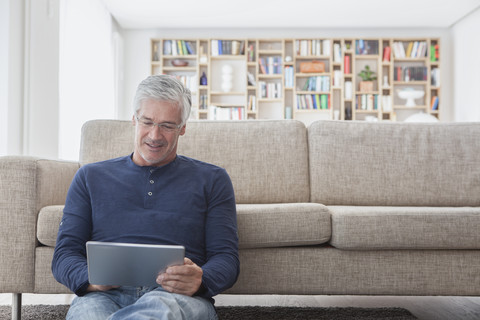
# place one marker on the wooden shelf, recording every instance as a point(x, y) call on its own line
point(228, 57)
point(179, 69)
point(221, 93)
point(285, 88)
point(313, 92)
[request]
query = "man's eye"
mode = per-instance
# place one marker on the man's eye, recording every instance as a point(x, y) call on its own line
point(169, 126)
point(148, 123)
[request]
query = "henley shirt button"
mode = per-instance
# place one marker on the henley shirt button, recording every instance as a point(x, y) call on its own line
point(150, 193)
point(152, 182)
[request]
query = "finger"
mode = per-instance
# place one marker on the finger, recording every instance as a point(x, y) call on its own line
point(181, 270)
point(187, 261)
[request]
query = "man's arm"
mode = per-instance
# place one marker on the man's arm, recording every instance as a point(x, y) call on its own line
point(69, 264)
point(222, 267)
point(185, 279)
point(221, 270)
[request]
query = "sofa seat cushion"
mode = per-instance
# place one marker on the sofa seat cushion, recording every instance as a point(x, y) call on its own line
point(47, 225)
point(282, 225)
point(367, 228)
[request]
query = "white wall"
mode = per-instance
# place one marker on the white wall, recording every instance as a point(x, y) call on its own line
point(466, 62)
point(41, 78)
point(11, 76)
point(137, 51)
point(86, 71)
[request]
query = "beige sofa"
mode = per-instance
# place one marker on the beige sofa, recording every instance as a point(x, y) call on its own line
point(339, 208)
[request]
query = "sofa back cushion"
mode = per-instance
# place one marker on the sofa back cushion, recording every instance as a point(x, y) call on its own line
point(267, 160)
point(394, 164)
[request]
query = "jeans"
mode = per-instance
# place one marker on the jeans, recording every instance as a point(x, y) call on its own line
point(140, 303)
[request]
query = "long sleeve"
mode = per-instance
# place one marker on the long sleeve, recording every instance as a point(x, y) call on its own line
point(69, 265)
point(222, 267)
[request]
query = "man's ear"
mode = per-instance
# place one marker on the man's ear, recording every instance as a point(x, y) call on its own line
point(133, 120)
point(182, 130)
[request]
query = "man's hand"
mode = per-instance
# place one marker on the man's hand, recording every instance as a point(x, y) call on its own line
point(185, 279)
point(97, 287)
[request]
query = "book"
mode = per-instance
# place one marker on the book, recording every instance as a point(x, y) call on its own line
point(347, 65)
point(167, 47)
point(337, 53)
point(434, 103)
point(184, 48)
point(386, 53)
point(214, 47)
point(189, 48)
point(251, 53)
point(263, 67)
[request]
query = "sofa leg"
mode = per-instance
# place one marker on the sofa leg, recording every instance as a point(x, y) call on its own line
point(16, 306)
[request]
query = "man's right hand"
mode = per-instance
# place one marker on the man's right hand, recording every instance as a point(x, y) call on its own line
point(97, 287)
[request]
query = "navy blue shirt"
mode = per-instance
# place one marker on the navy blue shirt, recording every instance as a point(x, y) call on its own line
point(185, 202)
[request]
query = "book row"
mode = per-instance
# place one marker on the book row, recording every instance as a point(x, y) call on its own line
point(231, 47)
point(312, 47)
point(178, 47)
point(410, 73)
point(366, 47)
point(313, 101)
point(188, 81)
point(271, 90)
point(318, 83)
point(271, 65)
point(412, 49)
point(226, 113)
point(369, 102)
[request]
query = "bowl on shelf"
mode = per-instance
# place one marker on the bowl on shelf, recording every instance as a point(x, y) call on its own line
point(410, 95)
point(179, 63)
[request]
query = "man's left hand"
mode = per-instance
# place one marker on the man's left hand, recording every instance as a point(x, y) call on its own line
point(185, 279)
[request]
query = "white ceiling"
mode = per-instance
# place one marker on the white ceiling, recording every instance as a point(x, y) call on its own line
point(145, 14)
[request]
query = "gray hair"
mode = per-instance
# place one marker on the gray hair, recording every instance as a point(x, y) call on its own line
point(164, 88)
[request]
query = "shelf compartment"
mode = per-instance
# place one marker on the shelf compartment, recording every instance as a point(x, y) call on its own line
point(228, 57)
point(312, 110)
point(367, 57)
point(221, 93)
point(193, 69)
point(187, 56)
point(312, 57)
point(308, 75)
point(418, 107)
point(312, 92)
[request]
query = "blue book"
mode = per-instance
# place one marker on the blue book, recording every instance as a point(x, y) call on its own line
point(189, 48)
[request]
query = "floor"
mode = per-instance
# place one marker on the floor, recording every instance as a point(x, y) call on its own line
point(424, 308)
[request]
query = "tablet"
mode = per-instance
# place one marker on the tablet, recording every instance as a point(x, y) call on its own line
point(130, 264)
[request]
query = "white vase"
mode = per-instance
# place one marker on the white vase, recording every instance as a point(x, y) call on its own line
point(227, 78)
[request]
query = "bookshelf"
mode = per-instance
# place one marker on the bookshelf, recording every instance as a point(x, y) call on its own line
point(304, 78)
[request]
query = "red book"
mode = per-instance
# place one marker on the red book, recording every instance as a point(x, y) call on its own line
point(386, 53)
point(347, 65)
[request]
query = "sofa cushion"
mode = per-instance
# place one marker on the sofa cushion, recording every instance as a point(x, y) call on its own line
point(47, 225)
point(367, 228)
point(282, 225)
point(267, 160)
point(259, 226)
point(394, 164)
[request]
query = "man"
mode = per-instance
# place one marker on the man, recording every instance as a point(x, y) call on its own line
point(152, 196)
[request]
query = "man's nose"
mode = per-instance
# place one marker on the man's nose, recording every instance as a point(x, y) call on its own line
point(155, 132)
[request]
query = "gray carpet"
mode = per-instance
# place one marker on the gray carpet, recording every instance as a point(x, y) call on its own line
point(49, 312)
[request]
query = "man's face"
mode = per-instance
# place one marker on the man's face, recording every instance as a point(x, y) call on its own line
point(156, 146)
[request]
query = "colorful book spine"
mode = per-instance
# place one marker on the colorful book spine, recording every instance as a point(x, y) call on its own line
point(347, 64)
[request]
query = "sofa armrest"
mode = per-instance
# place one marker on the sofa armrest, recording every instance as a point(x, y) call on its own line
point(26, 185)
